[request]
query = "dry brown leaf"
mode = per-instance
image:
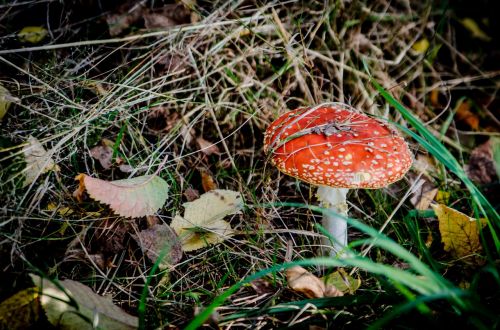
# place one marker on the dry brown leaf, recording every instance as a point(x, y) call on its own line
point(465, 115)
point(191, 194)
point(300, 280)
point(482, 166)
point(434, 98)
point(459, 233)
point(104, 154)
point(158, 21)
point(208, 148)
point(136, 197)
point(262, 286)
point(157, 238)
point(127, 15)
point(423, 196)
point(38, 161)
point(152, 220)
point(207, 181)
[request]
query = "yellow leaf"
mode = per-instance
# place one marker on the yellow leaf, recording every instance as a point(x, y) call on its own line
point(421, 46)
point(342, 281)
point(21, 310)
point(202, 223)
point(136, 197)
point(38, 161)
point(5, 101)
point(32, 34)
point(300, 280)
point(459, 232)
point(62, 211)
point(442, 197)
point(474, 29)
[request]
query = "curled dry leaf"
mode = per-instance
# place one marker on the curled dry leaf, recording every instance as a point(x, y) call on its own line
point(62, 313)
point(459, 233)
point(136, 197)
point(38, 161)
point(208, 148)
point(155, 240)
point(300, 280)
point(202, 223)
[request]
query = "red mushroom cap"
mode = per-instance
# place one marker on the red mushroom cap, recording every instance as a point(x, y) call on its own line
point(335, 145)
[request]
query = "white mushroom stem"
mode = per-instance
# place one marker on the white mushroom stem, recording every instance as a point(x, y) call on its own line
point(334, 199)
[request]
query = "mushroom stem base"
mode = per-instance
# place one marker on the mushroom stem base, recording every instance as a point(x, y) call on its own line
point(334, 199)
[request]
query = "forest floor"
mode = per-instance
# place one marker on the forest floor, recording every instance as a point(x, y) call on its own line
point(182, 92)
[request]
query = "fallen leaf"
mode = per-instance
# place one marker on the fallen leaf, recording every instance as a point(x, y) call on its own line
point(32, 34)
point(342, 281)
point(111, 235)
point(152, 220)
point(160, 120)
point(5, 101)
point(93, 311)
point(62, 211)
point(300, 280)
point(191, 194)
point(208, 148)
point(21, 310)
point(474, 29)
point(482, 167)
point(423, 199)
point(154, 240)
point(442, 197)
point(262, 286)
point(421, 45)
point(104, 154)
point(459, 232)
point(434, 98)
point(99, 260)
point(38, 161)
point(136, 197)
point(203, 222)
point(128, 14)
point(465, 115)
point(207, 181)
point(158, 21)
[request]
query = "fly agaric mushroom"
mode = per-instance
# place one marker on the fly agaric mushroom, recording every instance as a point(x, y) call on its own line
point(337, 147)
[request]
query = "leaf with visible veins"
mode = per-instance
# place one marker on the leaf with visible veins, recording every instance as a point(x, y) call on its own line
point(136, 197)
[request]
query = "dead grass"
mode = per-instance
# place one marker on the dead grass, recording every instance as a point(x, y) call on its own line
point(223, 78)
